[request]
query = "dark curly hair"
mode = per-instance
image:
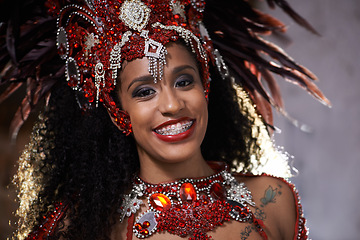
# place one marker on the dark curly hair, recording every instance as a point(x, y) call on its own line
point(83, 159)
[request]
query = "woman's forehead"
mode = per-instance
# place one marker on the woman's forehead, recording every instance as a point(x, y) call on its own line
point(177, 55)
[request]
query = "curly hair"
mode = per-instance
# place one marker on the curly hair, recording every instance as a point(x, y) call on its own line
point(89, 163)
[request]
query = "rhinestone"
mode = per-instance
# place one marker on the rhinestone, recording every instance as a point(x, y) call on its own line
point(187, 192)
point(217, 191)
point(160, 201)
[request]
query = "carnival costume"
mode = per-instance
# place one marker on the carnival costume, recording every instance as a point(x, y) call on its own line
point(94, 38)
point(189, 207)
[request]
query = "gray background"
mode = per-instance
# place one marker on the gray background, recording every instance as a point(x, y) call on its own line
point(328, 158)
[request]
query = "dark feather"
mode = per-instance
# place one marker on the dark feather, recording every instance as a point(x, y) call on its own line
point(294, 15)
point(240, 42)
point(274, 88)
point(10, 90)
point(12, 33)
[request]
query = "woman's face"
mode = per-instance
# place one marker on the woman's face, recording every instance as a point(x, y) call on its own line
point(169, 118)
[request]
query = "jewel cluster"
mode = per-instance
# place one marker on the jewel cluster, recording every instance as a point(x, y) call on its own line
point(182, 206)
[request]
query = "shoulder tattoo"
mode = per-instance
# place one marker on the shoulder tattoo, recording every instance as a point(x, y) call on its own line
point(270, 195)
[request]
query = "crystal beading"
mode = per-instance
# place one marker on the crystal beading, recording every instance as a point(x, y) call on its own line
point(177, 8)
point(115, 55)
point(72, 73)
point(156, 53)
point(187, 36)
point(135, 14)
point(91, 40)
point(180, 207)
point(99, 78)
point(62, 43)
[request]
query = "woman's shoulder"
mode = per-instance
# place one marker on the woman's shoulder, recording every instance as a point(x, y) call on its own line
point(277, 204)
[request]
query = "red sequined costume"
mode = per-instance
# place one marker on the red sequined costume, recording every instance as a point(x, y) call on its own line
point(180, 207)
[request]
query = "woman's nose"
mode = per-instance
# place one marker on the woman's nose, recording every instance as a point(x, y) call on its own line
point(169, 102)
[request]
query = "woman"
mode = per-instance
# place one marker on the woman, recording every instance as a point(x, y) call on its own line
point(135, 141)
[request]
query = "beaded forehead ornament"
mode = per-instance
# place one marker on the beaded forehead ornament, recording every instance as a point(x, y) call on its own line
point(94, 39)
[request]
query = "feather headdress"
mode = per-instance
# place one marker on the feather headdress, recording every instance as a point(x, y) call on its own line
point(28, 53)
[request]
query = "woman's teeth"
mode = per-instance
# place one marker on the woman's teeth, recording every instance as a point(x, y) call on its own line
point(174, 129)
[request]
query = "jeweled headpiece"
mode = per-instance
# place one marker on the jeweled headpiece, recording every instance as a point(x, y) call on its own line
point(97, 37)
point(94, 37)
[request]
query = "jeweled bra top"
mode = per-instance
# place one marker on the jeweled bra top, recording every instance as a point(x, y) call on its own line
point(189, 207)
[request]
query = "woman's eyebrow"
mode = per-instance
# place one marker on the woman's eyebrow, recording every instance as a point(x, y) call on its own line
point(145, 78)
point(181, 68)
point(148, 78)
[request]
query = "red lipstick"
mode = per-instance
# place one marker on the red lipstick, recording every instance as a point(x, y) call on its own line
point(177, 137)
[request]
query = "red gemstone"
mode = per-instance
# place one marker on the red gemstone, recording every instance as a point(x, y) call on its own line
point(187, 192)
point(144, 232)
point(160, 202)
point(138, 226)
point(217, 191)
point(146, 224)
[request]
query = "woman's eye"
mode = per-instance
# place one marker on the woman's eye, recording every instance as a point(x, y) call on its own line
point(184, 81)
point(143, 92)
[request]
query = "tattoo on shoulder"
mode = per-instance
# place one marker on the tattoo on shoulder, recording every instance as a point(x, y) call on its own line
point(260, 214)
point(246, 233)
point(270, 195)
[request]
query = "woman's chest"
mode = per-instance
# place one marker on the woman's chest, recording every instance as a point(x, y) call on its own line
point(230, 230)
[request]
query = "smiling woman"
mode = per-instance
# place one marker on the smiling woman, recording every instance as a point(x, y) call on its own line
point(169, 117)
point(137, 143)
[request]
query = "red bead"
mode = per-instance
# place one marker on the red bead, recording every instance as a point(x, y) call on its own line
point(144, 232)
point(187, 192)
point(160, 202)
point(146, 224)
point(138, 226)
point(217, 191)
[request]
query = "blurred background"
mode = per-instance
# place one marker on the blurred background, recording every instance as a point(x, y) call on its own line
point(327, 157)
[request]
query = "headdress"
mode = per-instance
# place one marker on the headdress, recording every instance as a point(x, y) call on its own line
point(94, 37)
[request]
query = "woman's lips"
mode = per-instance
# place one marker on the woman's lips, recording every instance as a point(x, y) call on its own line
point(175, 130)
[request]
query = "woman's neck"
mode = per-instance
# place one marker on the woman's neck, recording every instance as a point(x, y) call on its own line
point(155, 171)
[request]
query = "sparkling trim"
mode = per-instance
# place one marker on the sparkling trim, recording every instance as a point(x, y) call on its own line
point(135, 14)
point(187, 35)
point(199, 5)
point(115, 55)
point(95, 24)
point(176, 202)
point(62, 43)
point(156, 53)
point(99, 78)
point(90, 4)
point(72, 73)
point(148, 219)
point(91, 40)
point(177, 8)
